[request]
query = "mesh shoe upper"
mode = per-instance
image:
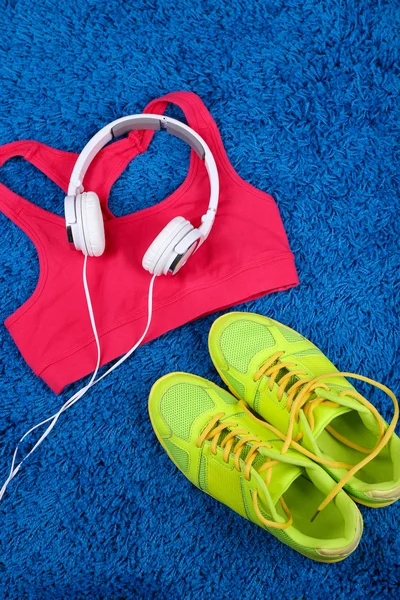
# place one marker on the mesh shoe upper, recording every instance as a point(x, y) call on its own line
point(228, 453)
point(240, 343)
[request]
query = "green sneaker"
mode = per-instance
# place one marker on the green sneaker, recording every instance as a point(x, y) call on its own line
point(312, 407)
point(231, 455)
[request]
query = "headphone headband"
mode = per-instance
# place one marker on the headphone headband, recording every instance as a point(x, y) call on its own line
point(153, 122)
point(179, 239)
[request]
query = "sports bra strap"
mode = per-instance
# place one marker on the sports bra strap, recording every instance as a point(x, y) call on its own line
point(192, 106)
point(137, 142)
point(50, 161)
point(58, 164)
point(53, 163)
point(194, 109)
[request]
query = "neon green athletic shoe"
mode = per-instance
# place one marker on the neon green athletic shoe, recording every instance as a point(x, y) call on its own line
point(231, 455)
point(291, 384)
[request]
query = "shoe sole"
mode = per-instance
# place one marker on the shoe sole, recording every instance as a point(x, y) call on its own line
point(372, 504)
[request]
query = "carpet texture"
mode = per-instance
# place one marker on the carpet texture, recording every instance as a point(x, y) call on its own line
point(306, 97)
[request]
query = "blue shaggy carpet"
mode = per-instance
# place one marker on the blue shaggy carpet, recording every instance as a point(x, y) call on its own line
point(305, 94)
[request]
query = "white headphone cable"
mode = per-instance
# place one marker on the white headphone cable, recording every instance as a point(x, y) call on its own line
point(71, 401)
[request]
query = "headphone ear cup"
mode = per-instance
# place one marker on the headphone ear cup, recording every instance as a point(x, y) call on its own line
point(93, 224)
point(158, 257)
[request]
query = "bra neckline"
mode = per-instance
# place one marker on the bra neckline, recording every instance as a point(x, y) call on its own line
point(110, 216)
point(159, 206)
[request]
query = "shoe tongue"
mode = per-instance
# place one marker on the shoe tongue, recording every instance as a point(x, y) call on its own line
point(324, 414)
point(283, 475)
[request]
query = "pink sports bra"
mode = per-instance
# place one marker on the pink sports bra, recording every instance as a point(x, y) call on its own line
point(246, 255)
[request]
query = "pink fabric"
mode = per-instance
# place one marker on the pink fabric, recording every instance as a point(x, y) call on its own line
point(246, 255)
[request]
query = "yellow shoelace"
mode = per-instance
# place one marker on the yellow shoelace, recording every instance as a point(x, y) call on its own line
point(299, 395)
point(213, 433)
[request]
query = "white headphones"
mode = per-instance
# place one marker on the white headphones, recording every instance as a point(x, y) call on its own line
point(179, 239)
